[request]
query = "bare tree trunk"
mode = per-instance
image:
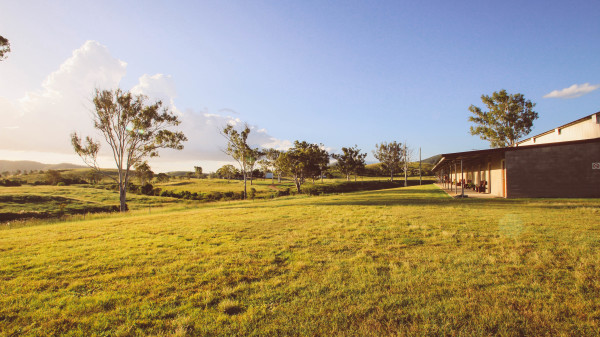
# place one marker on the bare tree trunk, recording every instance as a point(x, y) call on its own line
point(347, 176)
point(122, 191)
point(245, 193)
point(297, 183)
point(391, 175)
point(123, 198)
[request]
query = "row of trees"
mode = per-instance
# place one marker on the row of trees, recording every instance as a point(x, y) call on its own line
point(304, 160)
point(135, 131)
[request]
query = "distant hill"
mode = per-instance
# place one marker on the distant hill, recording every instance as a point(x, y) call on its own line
point(12, 166)
point(432, 160)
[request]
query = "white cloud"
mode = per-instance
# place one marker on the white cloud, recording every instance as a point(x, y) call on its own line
point(42, 121)
point(574, 91)
point(201, 128)
point(158, 87)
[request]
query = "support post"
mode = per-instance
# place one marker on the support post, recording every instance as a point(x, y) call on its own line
point(455, 179)
point(462, 179)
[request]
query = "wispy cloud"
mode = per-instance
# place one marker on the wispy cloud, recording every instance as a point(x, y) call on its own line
point(574, 91)
point(43, 119)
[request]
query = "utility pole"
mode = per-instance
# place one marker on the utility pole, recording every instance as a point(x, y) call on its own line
point(405, 166)
point(420, 175)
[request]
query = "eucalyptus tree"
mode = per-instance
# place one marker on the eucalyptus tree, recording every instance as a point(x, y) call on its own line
point(143, 172)
point(300, 162)
point(198, 171)
point(351, 161)
point(269, 163)
point(134, 131)
point(509, 117)
point(227, 171)
point(238, 149)
point(390, 155)
point(254, 155)
point(322, 159)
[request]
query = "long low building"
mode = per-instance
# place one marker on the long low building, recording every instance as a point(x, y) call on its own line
point(561, 163)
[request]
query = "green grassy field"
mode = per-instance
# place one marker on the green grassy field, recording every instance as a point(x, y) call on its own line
point(405, 261)
point(55, 200)
point(263, 187)
point(46, 201)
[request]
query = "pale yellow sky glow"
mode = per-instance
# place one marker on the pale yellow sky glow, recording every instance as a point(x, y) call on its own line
point(37, 126)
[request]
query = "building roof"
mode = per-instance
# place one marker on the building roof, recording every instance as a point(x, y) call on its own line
point(467, 155)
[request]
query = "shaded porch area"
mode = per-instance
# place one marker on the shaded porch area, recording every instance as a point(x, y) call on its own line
point(474, 173)
point(467, 192)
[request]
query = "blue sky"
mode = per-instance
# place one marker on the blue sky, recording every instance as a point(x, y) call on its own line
point(338, 73)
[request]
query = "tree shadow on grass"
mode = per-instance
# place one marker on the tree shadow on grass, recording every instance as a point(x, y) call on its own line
point(403, 196)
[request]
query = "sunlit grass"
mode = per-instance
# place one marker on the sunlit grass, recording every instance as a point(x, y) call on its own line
point(264, 187)
point(78, 194)
point(406, 261)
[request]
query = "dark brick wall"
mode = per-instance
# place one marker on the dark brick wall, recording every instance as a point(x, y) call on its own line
point(562, 171)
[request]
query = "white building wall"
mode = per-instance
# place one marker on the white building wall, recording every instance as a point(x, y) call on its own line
point(586, 129)
point(495, 182)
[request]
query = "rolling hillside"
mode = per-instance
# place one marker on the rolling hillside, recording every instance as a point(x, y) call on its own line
point(12, 166)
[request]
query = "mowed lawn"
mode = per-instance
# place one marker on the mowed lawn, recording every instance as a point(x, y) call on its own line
point(405, 261)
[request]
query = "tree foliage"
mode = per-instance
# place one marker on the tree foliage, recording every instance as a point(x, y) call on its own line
point(93, 176)
point(254, 155)
point(53, 177)
point(238, 149)
point(301, 162)
point(391, 156)
point(322, 159)
point(4, 47)
point(509, 117)
point(198, 171)
point(351, 161)
point(143, 172)
point(162, 177)
point(269, 163)
point(133, 130)
point(227, 171)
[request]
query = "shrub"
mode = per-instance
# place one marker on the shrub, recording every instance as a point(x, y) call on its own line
point(215, 195)
point(147, 189)
point(8, 183)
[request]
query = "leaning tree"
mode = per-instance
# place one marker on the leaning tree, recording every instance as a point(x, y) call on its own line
point(134, 131)
point(509, 117)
